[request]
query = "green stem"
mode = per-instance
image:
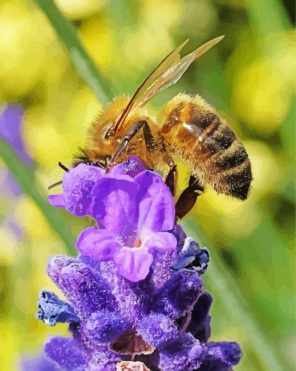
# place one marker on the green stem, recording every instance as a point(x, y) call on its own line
point(84, 64)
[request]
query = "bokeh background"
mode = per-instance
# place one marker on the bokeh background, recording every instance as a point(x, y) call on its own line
point(46, 108)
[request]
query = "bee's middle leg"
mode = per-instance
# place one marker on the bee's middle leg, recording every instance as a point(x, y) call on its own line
point(171, 178)
point(188, 197)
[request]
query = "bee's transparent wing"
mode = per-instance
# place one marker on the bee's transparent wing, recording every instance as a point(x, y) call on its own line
point(172, 74)
point(164, 65)
point(168, 72)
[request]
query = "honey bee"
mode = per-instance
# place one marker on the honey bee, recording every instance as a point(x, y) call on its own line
point(188, 129)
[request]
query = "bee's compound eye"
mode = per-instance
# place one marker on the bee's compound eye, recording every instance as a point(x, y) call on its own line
point(109, 133)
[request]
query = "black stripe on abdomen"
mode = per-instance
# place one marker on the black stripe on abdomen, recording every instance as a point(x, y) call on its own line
point(239, 181)
point(220, 140)
point(228, 159)
point(204, 125)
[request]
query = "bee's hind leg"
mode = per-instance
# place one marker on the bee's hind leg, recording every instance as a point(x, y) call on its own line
point(188, 197)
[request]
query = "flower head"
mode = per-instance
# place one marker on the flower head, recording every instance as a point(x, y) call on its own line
point(135, 298)
point(134, 211)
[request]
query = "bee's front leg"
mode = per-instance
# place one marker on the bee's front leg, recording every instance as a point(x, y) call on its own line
point(188, 197)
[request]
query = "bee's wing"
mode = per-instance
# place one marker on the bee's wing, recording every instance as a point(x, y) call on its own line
point(174, 72)
point(168, 72)
point(164, 65)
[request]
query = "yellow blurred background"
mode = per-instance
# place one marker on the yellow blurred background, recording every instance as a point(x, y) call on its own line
point(249, 78)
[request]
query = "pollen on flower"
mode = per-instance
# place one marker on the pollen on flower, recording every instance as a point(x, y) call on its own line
point(135, 298)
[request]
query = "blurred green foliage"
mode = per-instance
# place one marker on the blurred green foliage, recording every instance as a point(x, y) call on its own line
point(249, 78)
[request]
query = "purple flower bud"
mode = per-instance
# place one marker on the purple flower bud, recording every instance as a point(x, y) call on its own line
point(221, 356)
point(186, 354)
point(84, 287)
point(178, 294)
point(199, 325)
point(158, 330)
point(67, 353)
point(105, 327)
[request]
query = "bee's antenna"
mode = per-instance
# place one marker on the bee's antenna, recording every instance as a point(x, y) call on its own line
point(55, 184)
point(62, 166)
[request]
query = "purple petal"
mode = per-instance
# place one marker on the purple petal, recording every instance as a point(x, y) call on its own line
point(156, 210)
point(105, 327)
point(221, 356)
point(114, 205)
point(77, 185)
point(67, 353)
point(56, 200)
point(133, 263)
point(98, 244)
point(161, 240)
point(132, 167)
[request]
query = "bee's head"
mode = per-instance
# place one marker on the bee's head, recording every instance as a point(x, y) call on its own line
point(105, 123)
point(91, 157)
point(102, 140)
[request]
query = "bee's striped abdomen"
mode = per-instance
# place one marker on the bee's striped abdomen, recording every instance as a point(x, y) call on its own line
point(231, 158)
point(211, 149)
point(230, 162)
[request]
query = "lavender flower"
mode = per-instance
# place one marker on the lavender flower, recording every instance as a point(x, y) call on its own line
point(135, 215)
point(11, 118)
point(135, 297)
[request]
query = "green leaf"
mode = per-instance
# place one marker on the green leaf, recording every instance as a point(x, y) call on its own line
point(223, 286)
point(84, 64)
point(24, 176)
